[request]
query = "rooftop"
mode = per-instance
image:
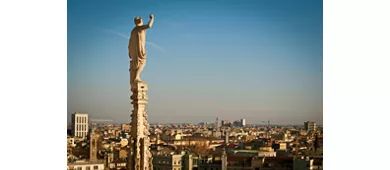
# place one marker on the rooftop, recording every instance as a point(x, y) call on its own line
point(86, 162)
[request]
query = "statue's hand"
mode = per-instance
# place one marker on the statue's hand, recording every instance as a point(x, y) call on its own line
point(151, 16)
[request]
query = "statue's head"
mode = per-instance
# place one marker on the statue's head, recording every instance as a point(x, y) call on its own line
point(138, 21)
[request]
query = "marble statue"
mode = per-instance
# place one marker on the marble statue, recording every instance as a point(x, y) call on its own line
point(137, 52)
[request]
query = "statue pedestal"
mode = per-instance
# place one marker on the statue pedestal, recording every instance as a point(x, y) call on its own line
point(139, 157)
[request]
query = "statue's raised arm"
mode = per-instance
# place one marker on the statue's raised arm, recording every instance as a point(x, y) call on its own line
point(150, 21)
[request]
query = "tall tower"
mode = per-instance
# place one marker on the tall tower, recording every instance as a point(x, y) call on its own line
point(243, 122)
point(226, 137)
point(79, 124)
point(217, 125)
point(139, 156)
point(93, 146)
point(217, 129)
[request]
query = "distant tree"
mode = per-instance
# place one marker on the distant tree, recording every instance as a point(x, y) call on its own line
point(81, 152)
point(201, 149)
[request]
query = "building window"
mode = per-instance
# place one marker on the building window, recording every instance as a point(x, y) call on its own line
point(88, 168)
point(95, 167)
point(79, 168)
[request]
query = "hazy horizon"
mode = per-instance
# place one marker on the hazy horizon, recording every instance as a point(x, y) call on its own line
point(257, 60)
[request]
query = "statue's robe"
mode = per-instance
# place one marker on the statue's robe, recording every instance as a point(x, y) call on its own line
point(137, 52)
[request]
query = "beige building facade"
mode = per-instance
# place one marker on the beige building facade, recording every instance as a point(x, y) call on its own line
point(79, 124)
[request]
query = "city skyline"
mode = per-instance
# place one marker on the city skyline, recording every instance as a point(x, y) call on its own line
point(253, 60)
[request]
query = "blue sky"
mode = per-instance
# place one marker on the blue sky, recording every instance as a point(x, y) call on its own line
point(253, 59)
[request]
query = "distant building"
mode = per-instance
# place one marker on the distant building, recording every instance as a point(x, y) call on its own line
point(237, 123)
point(308, 164)
point(261, 152)
point(204, 123)
point(217, 130)
point(243, 122)
point(310, 126)
point(125, 127)
point(86, 165)
point(192, 140)
point(71, 142)
point(216, 134)
point(79, 124)
point(167, 161)
point(225, 123)
point(186, 161)
point(117, 165)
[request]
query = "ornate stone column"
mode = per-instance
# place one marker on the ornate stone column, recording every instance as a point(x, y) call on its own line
point(139, 156)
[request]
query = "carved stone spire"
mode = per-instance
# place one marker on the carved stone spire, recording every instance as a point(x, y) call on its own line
point(139, 157)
